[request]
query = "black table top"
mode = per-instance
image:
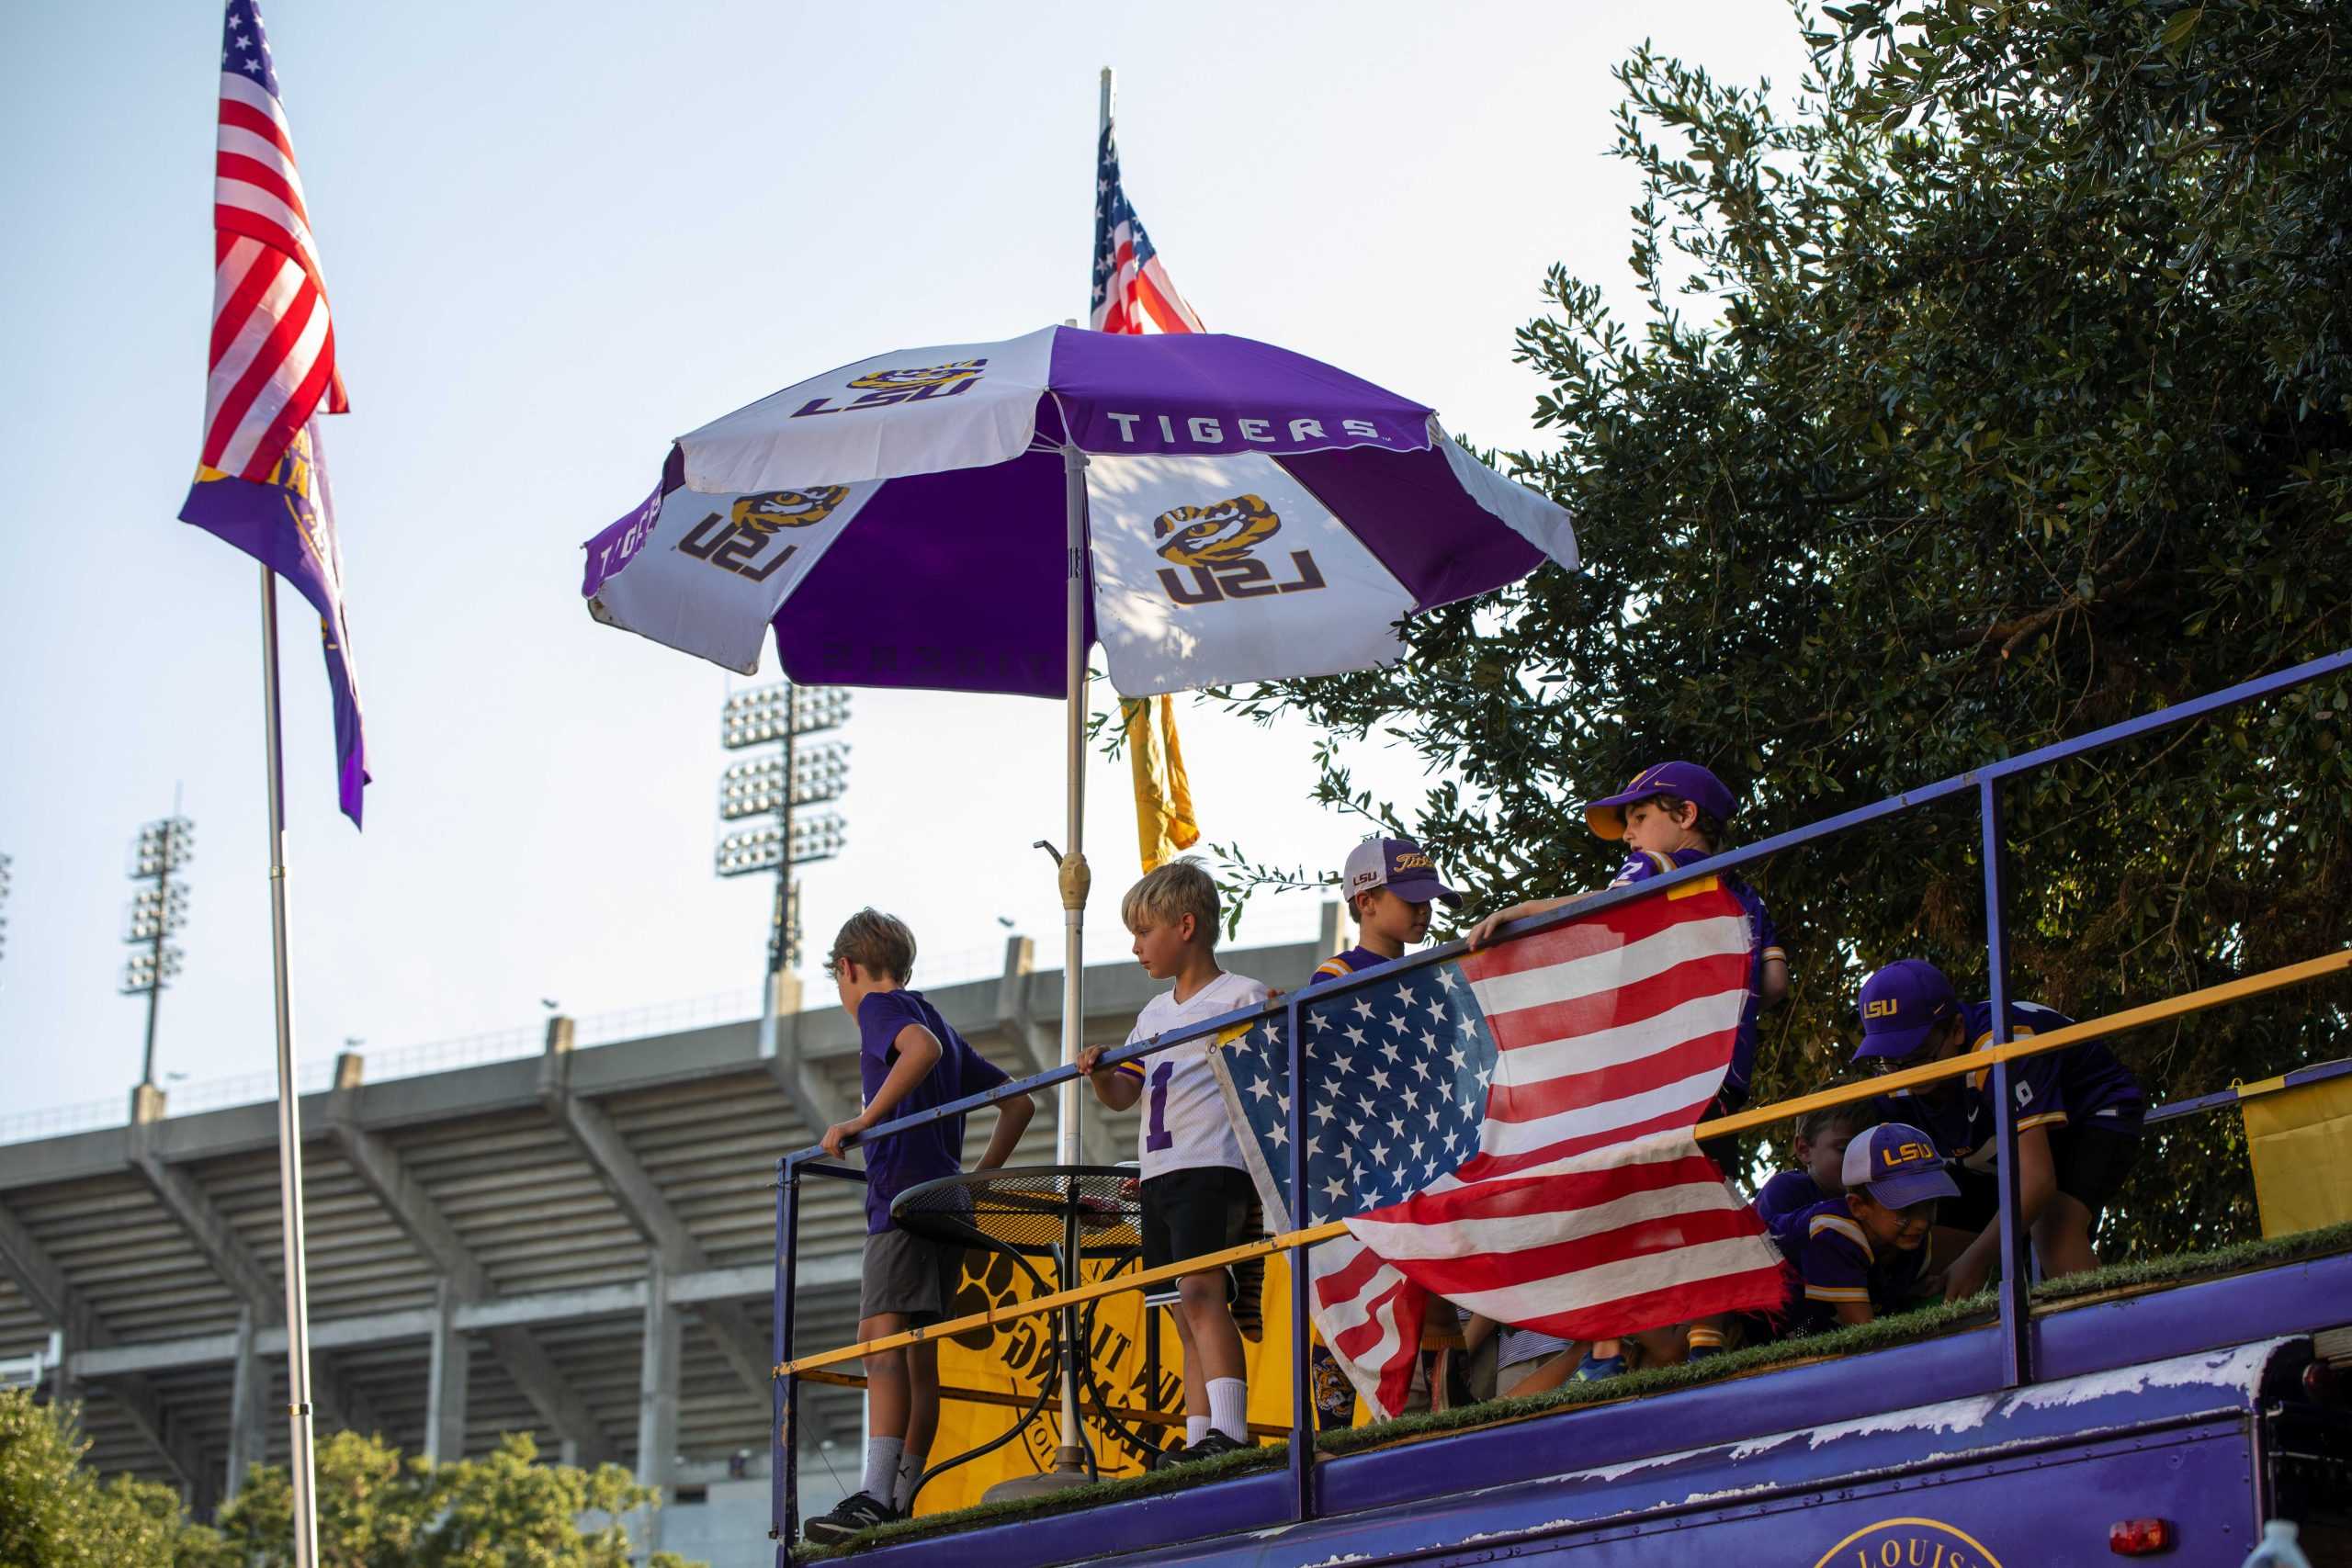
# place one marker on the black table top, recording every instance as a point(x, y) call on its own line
point(1027, 1209)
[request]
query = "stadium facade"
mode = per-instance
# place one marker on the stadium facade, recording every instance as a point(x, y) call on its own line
point(578, 1245)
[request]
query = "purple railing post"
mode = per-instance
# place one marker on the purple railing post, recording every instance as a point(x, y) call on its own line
point(2017, 1276)
point(1302, 1392)
point(783, 1445)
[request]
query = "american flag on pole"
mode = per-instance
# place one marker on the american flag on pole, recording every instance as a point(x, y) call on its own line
point(261, 481)
point(1129, 282)
point(1510, 1130)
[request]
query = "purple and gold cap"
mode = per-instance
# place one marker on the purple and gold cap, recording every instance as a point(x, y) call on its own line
point(1689, 781)
point(1897, 1164)
point(1901, 1006)
point(1398, 864)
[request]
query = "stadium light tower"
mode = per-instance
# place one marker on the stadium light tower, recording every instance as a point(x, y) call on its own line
point(771, 788)
point(155, 914)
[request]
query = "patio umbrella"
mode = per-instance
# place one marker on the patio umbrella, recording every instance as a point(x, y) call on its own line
point(975, 517)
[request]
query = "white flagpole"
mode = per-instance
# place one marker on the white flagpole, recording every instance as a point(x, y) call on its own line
point(289, 1115)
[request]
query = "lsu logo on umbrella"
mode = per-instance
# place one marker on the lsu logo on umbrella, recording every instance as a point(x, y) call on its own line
point(736, 545)
point(911, 384)
point(1214, 541)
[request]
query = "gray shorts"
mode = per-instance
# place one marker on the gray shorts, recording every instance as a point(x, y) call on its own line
point(909, 1274)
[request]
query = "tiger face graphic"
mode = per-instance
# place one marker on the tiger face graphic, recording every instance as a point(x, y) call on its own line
point(921, 378)
point(1215, 532)
point(766, 511)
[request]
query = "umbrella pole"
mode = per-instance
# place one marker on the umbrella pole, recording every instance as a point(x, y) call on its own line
point(1075, 877)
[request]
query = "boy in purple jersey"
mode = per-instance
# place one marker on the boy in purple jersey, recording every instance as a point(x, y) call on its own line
point(2078, 1114)
point(909, 1059)
point(1862, 1253)
point(1670, 817)
point(1821, 1142)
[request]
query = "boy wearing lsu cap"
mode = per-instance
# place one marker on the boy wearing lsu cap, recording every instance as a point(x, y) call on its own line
point(909, 1059)
point(1821, 1139)
point(2078, 1115)
point(1671, 815)
point(1862, 1253)
point(1389, 884)
point(1197, 1195)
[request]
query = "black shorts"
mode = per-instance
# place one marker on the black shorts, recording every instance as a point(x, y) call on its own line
point(1200, 1209)
point(906, 1273)
point(2090, 1159)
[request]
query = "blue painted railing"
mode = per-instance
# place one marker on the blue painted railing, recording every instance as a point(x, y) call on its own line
point(2015, 1318)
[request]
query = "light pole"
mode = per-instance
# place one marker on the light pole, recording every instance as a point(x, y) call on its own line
point(771, 786)
point(5, 862)
point(156, 912)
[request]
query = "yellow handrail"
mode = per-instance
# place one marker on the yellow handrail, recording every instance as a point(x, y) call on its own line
point(1762, 1116)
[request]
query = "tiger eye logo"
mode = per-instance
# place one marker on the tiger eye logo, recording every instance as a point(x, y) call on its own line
point(1215, 544)
point(1023, 1349)
point(1220, 531)
point(739, 542)
point(926, 376)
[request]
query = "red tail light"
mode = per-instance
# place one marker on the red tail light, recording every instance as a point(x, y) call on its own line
point(2140, 1538)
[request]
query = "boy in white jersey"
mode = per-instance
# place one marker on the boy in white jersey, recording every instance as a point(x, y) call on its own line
point(1196, 1193)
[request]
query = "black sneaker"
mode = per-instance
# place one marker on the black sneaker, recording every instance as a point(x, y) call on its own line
point(1213, 1444)
point(858, 1512)
point(1169, 1457)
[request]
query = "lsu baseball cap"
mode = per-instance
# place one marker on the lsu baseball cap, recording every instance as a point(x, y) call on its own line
point(1398, 864)
point(1901, 1006)
point(1897, 1164)
point(1692, 783)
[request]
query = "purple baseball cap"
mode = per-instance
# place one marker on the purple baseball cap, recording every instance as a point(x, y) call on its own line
point(1398, 864)
point(1692, 783)
point(1901, 1006)
point(1897, 1164)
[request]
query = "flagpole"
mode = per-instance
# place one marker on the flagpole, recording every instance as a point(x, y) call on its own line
point(290, 1114)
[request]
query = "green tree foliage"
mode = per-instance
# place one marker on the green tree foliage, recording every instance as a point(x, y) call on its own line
point(378, 1510)
point(56, 1513)
point(1994, 388)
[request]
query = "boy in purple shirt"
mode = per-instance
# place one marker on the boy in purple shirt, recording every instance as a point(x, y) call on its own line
point(909, 1059)
point(2078, 1115)
point(1860, 1254)
point(1821, 1143)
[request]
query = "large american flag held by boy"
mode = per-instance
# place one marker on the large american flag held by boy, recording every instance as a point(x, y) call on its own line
point(1510, 1130)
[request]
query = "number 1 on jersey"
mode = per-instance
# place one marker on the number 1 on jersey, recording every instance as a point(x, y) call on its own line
point(1157, 1137)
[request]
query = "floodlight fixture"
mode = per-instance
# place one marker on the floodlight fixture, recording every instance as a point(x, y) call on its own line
point(143, 974)
point(820, 773)
point(156, 911)
point(771, 713)
point(162, 847)
point(761, 848)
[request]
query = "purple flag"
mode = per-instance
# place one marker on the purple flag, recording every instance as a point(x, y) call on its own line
point(287, 523)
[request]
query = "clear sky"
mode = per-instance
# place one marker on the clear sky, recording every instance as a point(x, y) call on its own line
point(556, 235)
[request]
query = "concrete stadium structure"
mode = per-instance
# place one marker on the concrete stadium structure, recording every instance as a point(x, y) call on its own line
point(579, 1245)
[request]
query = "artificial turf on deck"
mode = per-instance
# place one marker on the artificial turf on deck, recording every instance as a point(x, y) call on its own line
point(1922, 1323)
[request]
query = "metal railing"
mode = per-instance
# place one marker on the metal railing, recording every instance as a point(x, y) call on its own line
point(2015, 1321)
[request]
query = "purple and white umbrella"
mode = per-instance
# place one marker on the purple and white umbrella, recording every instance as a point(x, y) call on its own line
point(975, 517)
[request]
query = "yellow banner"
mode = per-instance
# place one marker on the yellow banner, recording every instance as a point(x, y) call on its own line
point(1165, 827)
point(1013, 1357)
point(2300, 1143)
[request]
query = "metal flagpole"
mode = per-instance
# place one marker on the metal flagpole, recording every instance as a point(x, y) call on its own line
point(290, 1114)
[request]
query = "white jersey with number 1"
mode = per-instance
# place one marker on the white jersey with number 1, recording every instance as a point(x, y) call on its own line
point(1185, 1122)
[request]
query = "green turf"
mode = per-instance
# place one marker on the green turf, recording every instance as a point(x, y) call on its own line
point(1922, 1323)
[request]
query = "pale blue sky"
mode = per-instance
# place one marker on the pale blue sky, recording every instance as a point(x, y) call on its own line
point(556, 235)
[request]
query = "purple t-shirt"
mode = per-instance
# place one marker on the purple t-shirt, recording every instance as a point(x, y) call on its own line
point(1764, 942)
point(2082, 1086)
point(1834, 1262)
point(1787, 1193)
point(924, 1154)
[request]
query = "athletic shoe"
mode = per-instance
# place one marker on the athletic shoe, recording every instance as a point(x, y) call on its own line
point(1591, 1369)
point(858, 1512)
point(1169, 1457)
point(1213, 1444)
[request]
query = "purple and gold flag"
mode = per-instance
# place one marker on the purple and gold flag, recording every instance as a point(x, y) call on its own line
point(287, 523)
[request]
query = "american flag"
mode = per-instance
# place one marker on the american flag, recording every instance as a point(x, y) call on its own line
point(1129, 282)
point(272, 345)
point(1510, 1130)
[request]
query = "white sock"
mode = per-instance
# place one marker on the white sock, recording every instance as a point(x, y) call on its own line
point(882, 1467)
point(1195, 1429)
point(1229, 1407)
point(910, 1466)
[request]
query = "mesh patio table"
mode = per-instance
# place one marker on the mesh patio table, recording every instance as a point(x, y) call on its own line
point(1060, 1215)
